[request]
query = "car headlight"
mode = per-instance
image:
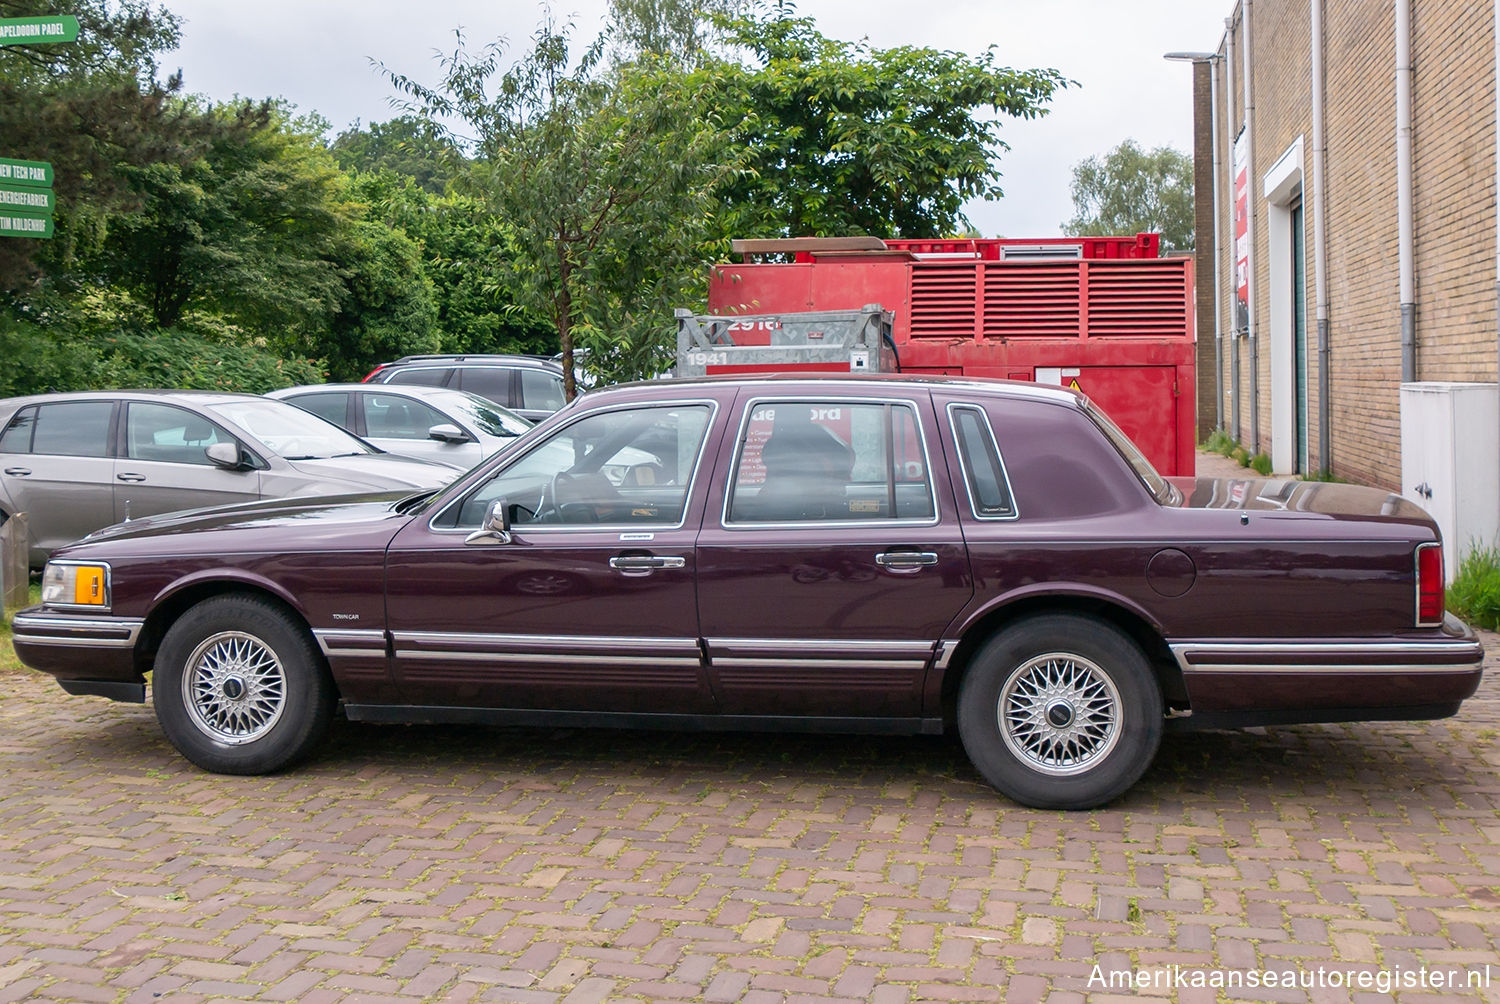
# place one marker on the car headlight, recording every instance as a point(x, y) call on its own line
point(77, 584)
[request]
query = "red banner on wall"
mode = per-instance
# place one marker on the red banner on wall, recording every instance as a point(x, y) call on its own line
point(1241, 232)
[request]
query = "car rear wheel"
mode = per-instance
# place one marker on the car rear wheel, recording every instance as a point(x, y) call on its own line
point(1060, 712)
point(239, 688)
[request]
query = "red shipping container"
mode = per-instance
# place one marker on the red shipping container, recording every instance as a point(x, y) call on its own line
point(1112, 320)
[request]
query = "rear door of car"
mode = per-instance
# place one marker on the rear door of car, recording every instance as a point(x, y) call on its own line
point(163, 464)
point(57, 464)
point(831, 558)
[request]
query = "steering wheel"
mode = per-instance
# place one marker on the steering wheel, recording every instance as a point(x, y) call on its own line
point(569, 512)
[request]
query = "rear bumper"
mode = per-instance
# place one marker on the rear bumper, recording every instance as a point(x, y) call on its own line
point(1332, 679)
point(88, 655)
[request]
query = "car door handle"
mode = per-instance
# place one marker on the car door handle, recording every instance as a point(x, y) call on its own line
point(645, 562)
point(906, 559)
point(131, 477)
point(19, 472)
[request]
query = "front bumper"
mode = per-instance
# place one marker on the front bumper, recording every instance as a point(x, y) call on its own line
point(88, 654)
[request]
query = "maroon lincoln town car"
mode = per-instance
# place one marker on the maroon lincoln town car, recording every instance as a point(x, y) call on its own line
point(866, 554)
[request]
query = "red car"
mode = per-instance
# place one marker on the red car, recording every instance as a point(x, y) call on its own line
point(868, 554)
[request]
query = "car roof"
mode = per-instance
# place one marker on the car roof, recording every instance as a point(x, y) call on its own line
point(882, 382)
point(199, 397)
point(476, 359)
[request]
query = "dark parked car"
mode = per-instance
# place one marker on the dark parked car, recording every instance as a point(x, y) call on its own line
point(77, 462)
point(888, 555)
point(530, 386)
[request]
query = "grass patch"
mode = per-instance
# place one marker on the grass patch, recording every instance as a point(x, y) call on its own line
point(1260, 464)
point(1220, 442)
point(8, 660)
point(1475, 593)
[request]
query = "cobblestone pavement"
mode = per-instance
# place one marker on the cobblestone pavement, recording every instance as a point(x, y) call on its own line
point(542, 865)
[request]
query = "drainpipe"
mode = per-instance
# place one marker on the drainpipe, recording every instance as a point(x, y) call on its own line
point(1248, 61)
point(1234, 340)
point(1320, 245)
point(1213, 130)
point(1403, 192)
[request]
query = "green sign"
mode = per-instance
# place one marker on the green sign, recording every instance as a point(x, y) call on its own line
point(25, 172)
point(38, 30)
point(30, 201)
point(25, 226)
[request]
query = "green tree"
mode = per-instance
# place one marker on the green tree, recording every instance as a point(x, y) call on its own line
point(1130, 190)
point(245, 229)
point(86, 107)
point(602, 178)
point(408, 145)
point(848, 139)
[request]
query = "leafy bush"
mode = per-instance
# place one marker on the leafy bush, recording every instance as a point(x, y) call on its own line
point(189, 360)
point(1261, 464)
point(1220, 442)
point(1475, 593)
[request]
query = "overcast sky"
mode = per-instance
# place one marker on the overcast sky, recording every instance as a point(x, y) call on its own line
point(317, 54)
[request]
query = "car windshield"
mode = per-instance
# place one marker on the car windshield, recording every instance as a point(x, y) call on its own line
point(289, 432)
point(487, 416)
point(1160, 488)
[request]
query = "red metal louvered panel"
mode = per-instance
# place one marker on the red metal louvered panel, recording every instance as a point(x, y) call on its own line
point(1138, 299)
point(1031, 299)
point(943, 300)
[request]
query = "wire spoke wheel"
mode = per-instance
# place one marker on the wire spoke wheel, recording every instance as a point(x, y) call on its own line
point(1060, 714)
point(234, 688)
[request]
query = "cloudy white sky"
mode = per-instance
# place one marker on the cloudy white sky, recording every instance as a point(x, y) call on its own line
point(317, 54)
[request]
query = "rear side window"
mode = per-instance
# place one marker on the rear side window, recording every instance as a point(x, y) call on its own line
point(17, 437)
point(73, 429)
point(830, 461)
point(541, 390)
point(984, 474)
point(334, 407)
point(421, 376)
point(489, 382)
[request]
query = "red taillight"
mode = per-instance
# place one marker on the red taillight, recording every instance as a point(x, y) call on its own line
point(371, 375)
point(1429, 584)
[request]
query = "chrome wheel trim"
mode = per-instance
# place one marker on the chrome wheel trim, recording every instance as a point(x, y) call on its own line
point(1060, 714)
point(234, 688)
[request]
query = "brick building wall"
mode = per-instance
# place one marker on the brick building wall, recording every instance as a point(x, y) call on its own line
point(1453, 143)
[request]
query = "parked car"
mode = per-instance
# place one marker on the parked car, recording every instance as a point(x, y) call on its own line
point(77, 462)
point(429, 423)
point(530, 386)
point(889, 555)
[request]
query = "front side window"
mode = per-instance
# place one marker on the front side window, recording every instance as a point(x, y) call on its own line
point(541, 390)
point(73, 429)
point(626, 467)
point(161, 432)
point(390, 417)
point(830, 461)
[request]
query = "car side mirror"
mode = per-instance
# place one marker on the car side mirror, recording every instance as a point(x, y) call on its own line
point(496, 527)
point(225, 455)
point(447, 433)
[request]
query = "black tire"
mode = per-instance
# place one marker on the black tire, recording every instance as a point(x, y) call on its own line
point(240, 688)
point(1084, 712)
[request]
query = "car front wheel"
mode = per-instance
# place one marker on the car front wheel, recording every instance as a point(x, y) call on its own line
point(239, 688)
point(1060, 712)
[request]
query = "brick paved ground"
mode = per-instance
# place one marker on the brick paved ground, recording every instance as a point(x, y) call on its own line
point(538, 865)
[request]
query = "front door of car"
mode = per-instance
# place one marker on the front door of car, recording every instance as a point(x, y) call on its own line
point(400, 425)
point(589, 606)
point(830, 559)
point(57, 469)
point(163, 464)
